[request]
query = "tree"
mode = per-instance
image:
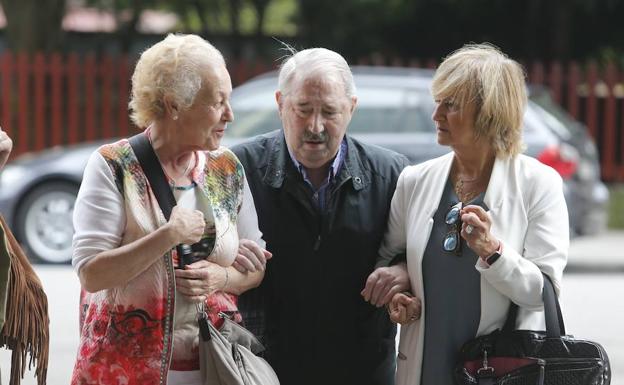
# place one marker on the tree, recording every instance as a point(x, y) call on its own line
point(260, 6)
point(34, 25)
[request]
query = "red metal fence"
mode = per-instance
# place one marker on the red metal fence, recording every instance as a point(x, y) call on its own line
point(49, 100)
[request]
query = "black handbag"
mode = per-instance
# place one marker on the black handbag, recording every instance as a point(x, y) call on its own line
point(567, 361)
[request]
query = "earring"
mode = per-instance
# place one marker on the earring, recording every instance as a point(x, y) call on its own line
point(174, 117)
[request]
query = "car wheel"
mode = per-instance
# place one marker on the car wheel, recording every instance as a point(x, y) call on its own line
point(44, 222)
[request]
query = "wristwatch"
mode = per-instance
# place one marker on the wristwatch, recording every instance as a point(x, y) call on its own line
point(494, 257)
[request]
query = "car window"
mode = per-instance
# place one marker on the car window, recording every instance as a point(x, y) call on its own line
point(553, 123)
point(392, 110)
point(386, 109)
point(533, 123)
point(255, 113)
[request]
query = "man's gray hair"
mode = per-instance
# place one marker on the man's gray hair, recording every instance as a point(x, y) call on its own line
point(312, 62)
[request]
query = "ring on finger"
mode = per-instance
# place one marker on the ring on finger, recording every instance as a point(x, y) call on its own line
point(469, 229)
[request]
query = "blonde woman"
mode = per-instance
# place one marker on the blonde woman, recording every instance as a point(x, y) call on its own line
point(138, 315)
point(479, 225)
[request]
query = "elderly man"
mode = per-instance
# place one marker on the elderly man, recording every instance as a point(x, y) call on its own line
point(322, 200)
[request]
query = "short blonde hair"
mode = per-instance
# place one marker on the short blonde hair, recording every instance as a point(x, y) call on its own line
point(171, 69)
point(482, 74)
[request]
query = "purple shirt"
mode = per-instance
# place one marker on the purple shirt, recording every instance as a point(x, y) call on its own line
point(320, 195)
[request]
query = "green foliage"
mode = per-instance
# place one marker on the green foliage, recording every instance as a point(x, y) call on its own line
point(218, 16)
point(616, 207)
point(280, 18)
point(530, 29)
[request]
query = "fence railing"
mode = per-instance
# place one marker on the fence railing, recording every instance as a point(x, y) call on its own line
point(49, 100)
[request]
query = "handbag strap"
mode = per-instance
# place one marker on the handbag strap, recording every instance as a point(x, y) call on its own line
point(153, 171)
point(555, 326)
point(552, 310)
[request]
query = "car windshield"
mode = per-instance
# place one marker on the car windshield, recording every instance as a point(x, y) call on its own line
point(379, 109)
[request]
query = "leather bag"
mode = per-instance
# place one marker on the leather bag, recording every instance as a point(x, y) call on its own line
point(568, 361)
point(24, 308)
point(228, 355)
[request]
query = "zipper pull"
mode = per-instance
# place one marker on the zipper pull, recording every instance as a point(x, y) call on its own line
point(204, 329)
point(224, 315)
point(317, 244)
point(486, 371)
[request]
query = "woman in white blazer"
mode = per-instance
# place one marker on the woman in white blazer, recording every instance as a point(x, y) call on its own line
point(479, 225)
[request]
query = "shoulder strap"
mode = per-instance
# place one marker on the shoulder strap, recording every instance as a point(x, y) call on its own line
point(552, 312)
point(154, 172)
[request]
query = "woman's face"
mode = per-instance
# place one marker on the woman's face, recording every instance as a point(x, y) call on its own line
point(455, 125)
point(203, 125)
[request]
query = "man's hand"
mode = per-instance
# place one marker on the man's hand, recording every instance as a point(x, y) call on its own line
point(6, 145)
point(383, 283)
point(251, 257)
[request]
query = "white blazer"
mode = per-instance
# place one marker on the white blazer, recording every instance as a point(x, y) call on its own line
point(529, 216)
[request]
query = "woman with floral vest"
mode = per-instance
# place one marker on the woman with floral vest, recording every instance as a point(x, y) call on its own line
point(138, 310)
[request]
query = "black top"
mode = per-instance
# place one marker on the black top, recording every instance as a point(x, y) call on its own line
point(452, 297)
point(316, 326)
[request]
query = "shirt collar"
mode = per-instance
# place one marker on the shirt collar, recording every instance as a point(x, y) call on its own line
point(336, 164)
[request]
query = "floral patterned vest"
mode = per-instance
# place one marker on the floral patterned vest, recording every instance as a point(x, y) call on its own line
point(126, 331)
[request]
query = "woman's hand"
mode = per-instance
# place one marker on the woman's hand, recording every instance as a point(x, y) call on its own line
point(404, 308)
point(186, 226)
point(6, 145)
point(476, 231)
point(251, 257)
point(200, 279)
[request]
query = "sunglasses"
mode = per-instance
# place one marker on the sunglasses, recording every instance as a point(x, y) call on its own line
point(452, 242)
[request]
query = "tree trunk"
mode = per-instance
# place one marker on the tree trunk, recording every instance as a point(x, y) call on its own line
point(201, 14)
point(561, 29)
point(34, 25)
point(534, 11)
point(260, 7)
point(128, 31)
point(235, 9)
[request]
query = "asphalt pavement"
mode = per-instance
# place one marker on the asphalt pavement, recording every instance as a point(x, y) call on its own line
point(603, 253)
point(595, 262)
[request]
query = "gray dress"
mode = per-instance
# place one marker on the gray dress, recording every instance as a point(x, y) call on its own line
point(452, 297)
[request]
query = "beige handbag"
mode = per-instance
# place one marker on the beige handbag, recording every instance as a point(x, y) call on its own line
point(228, 356)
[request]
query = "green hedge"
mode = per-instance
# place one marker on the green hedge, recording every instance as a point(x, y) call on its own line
point(616, 206)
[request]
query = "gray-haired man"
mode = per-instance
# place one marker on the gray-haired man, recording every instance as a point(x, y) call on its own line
point(322, 200)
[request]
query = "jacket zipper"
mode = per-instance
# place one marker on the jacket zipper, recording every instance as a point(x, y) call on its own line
point(317, 244)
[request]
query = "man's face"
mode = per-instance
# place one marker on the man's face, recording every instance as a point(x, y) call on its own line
point(315, 115)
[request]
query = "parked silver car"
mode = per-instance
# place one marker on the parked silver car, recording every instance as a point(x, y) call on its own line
point(37, 191)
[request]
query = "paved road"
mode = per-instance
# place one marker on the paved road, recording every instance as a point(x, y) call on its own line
point(591, 301)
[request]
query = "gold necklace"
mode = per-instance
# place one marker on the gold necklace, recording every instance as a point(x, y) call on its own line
point(463, 195)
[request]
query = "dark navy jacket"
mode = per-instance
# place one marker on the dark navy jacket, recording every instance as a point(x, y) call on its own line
point(308, 310)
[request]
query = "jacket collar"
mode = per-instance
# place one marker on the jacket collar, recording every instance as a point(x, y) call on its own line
point(280, 166)
point(497, 187)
